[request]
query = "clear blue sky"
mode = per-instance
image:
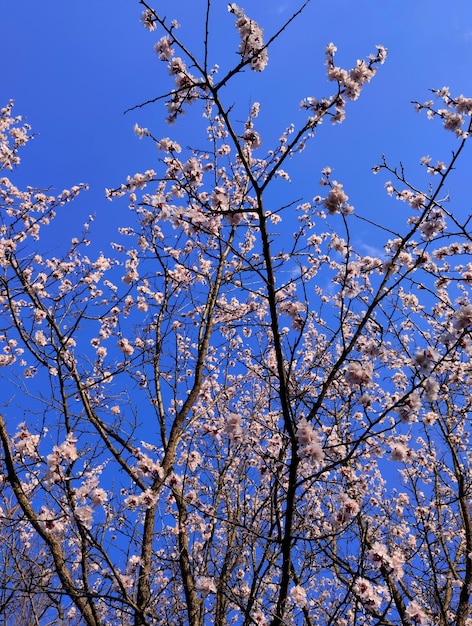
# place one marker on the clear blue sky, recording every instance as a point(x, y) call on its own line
point(74, 67)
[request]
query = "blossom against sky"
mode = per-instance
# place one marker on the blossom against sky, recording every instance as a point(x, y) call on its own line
point(343, 388)
point(74, 68)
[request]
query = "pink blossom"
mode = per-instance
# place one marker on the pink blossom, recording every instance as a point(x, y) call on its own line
point(252, 46)
point(219, 199)
point(163, 48)
point(51, 522)
point(359, 373)
point(149, 468)
point(298, 595)
point(330, 49)
point(140, 131)
point(424, 360)
point(452, 121)
point(233, 427)
point(84, 514)
point(336, 200)
point(205, 585)
point(147, 18)
point(408, 409)
point(399, 452)
point(259, 618)
point(433, 225)
point(26, 444)
point(431, 390)
point(252, 138)
point(147, 499)
point(309, 442)
point(463, 105)
point(367, 593)
point(416, 615)
point(98, 496)
point(168, 145)
point(379, 556)
point(124, 580)
point(61, 455)
point(125, 346)
point(463, 317)
point(193, 172)
point(345, 511)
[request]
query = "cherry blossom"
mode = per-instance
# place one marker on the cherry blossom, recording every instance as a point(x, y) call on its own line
point(252, 47)
point(240, 411)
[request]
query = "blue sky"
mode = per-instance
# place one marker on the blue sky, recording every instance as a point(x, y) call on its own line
point(74, 68)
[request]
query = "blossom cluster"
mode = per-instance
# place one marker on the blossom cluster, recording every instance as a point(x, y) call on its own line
point(205, 585)
point(182, 339)
point(367, 593)
point(145, 500)
point(359, 373)
point(289, 305)
point(416, 614)
point(309, 442)
point(346, 510)
point(148, 20)
point(91, 490)
point(379, 556)
point(350, 84)
point(409, 407)
point(401, 452)
point(453, 116)
point(147, 467)
point(299, 596)
point(186, 88)
point(26, 444)
point(233, 427)
point(336, 200)
point(252, 47)
point(61, 456)
point(463, 317)
point(12, 136)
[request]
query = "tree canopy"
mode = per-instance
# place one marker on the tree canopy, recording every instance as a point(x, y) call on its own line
point(234, 414)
